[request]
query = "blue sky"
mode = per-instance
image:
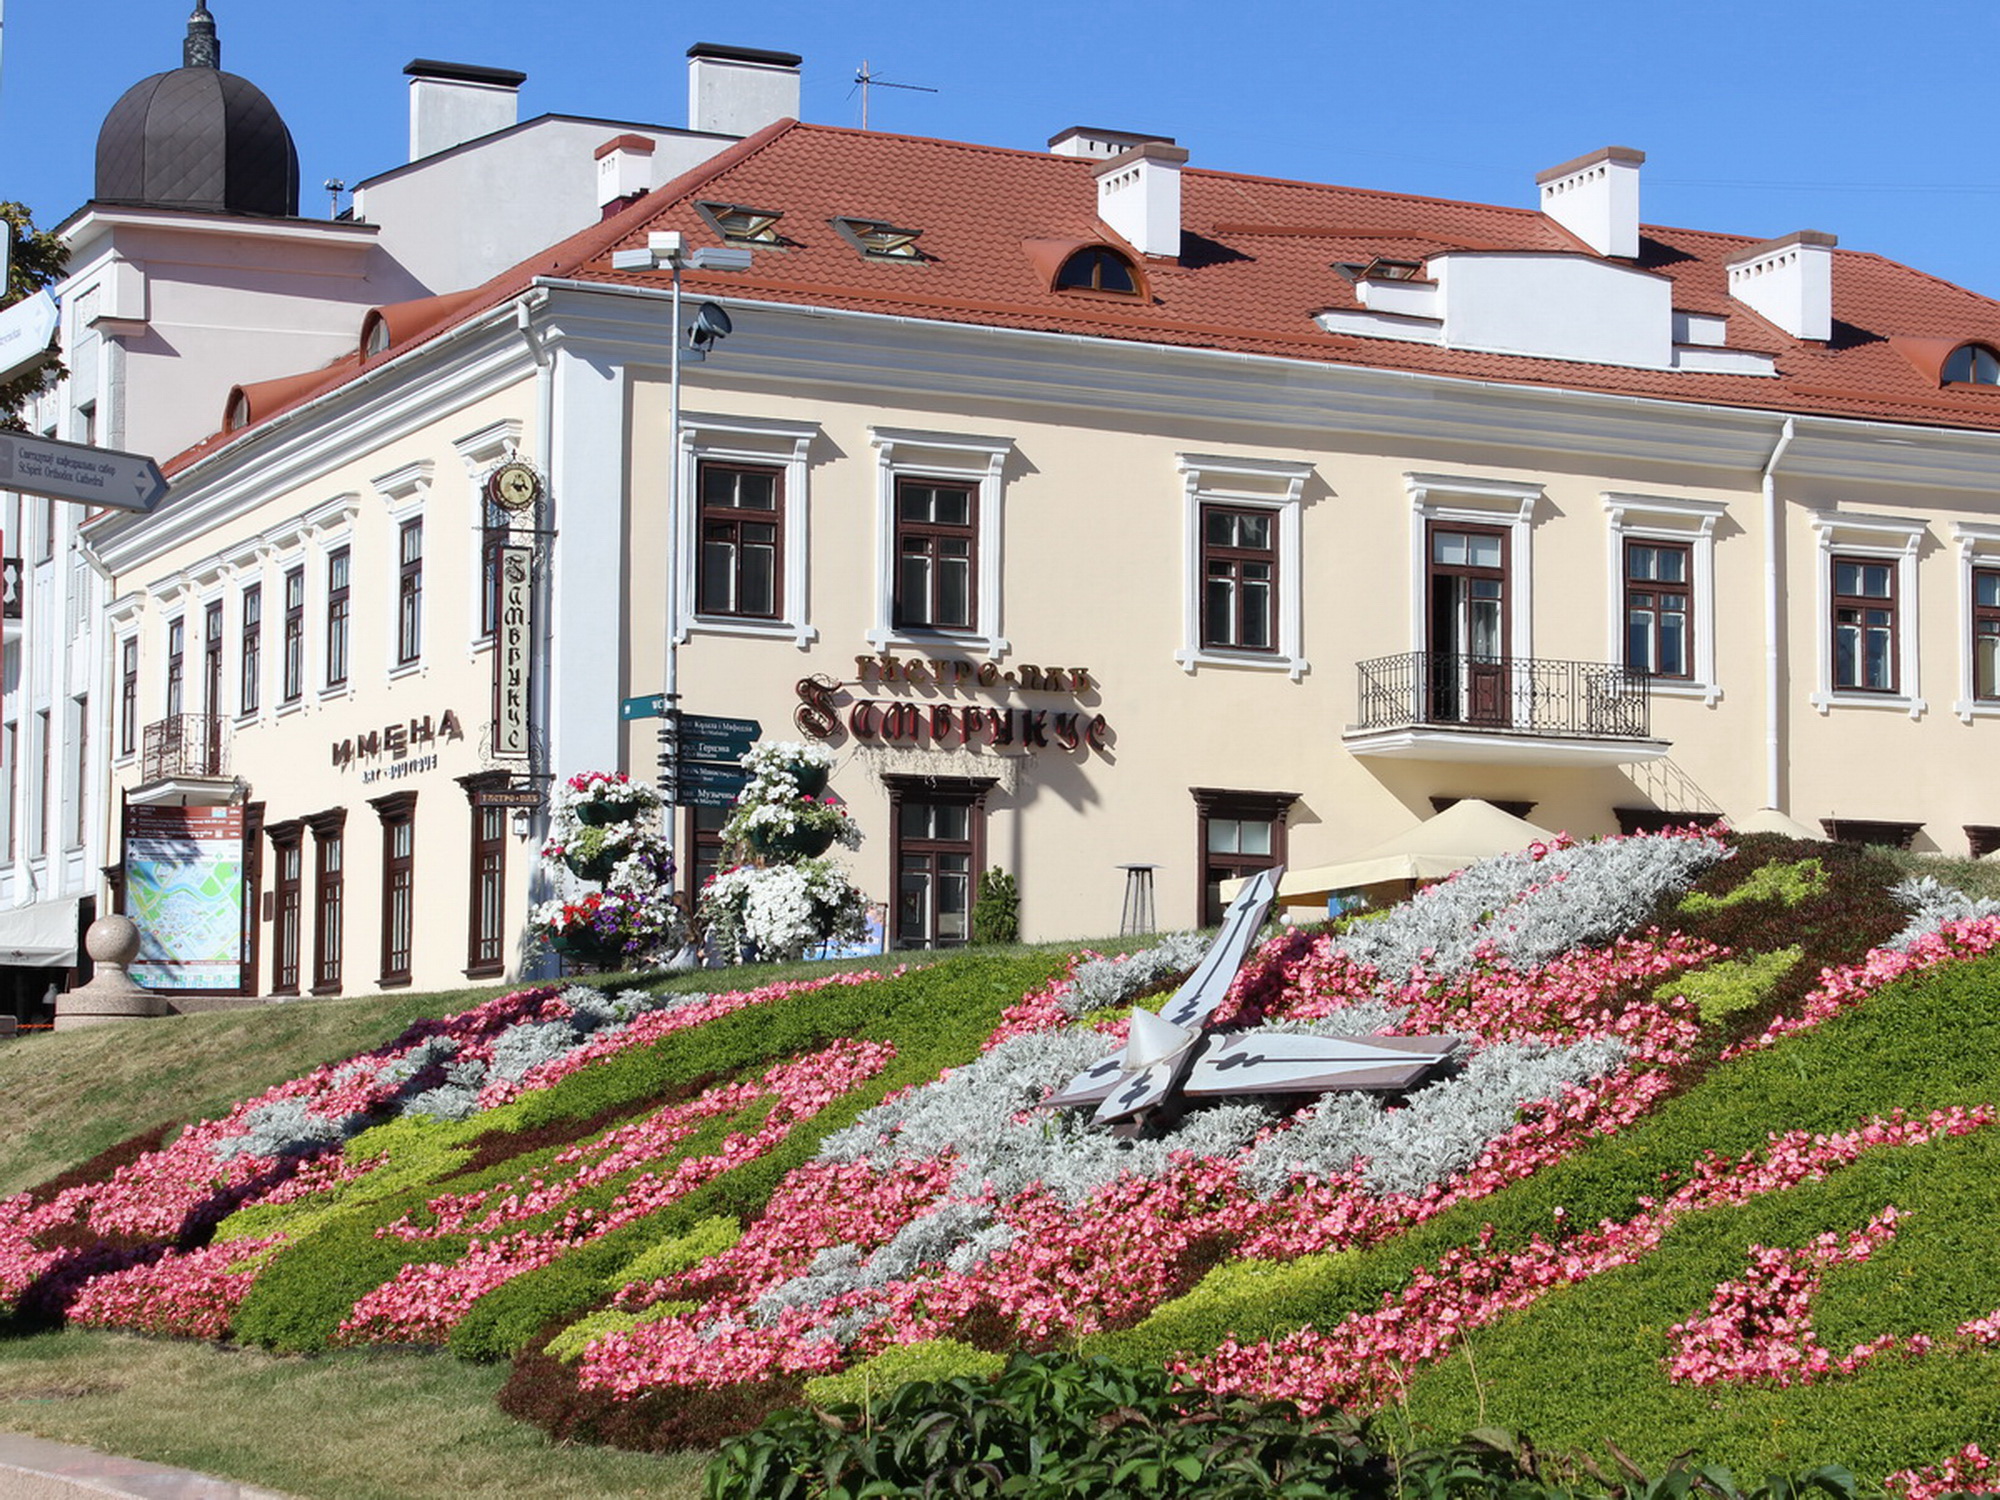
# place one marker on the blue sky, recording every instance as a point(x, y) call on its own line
point(1868, 121)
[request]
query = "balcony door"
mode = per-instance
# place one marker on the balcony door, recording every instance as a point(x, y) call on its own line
point(1466, 582)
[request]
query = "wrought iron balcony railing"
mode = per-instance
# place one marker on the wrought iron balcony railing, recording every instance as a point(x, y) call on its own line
point(185, 745)
point(1520, 695)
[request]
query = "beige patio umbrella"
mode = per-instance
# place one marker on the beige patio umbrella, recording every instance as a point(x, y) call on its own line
point(1467, 831)
point(1770, 820)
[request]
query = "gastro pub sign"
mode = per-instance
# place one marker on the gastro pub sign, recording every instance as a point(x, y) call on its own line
point(825, 706)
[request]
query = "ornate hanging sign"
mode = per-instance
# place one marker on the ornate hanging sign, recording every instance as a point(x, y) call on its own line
point(511, 647)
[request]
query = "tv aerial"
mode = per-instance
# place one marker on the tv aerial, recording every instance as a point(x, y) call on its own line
point(865, 79)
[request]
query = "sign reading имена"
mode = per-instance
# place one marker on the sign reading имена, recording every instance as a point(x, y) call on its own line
point(27, 332)
point(77, 471)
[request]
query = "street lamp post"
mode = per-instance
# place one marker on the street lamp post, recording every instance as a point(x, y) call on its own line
point(668, 249)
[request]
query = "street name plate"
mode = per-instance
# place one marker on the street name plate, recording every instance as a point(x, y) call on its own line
point(76, 471)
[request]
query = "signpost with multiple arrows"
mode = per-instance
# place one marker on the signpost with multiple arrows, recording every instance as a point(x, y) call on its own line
point(698, 752)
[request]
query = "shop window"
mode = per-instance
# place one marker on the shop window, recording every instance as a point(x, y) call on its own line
point(329, 898)
point(938, 838)
point(742, 537)
point(287, 904)
point(398, 813)
point(1236, 834)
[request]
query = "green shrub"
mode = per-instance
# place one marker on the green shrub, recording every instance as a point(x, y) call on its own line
point(899, 1364)
point(1722, 989)
point(996, 911)
point(1790, 882)
point(569, 1345)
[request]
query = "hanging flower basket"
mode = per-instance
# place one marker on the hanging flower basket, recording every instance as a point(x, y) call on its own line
point(811, 778)
point(604, 814)
point(586, 947)
point(597, 867)
point(799, 842)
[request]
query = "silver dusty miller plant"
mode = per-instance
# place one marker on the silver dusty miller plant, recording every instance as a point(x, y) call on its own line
point(1932, 903)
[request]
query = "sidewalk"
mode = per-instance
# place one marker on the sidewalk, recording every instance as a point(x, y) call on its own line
point(34, 1469)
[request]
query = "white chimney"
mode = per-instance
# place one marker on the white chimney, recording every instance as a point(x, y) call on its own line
point(1139, 196)
point(451, 103)
point(740, 90)
point(1099, 145)
point(1789, 281)
point(624, 167)
point(1596, 198)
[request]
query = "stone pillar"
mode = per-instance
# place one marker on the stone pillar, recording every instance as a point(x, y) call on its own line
point(112, 994)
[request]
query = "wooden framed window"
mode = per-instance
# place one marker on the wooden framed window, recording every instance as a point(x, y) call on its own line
point(1096, 269)
point(253, 889)
point(1468, 647)
point(1986, 634)
point(176, 666)
point(295, 634)
point(1971, 364)
point(1239, 578)
point(1864, 624)
point(211, 658)
point(701, 849)
point(1659, 608)
point(1236, 834)
point(937, 555)
point(329, 897)
point(128, 695)
point(937, 849)
point(486, 915)
point(250, 673)
point(338, 564)
point(287, 904)
point(742, 530)
point(79, 821)
point(410, 592)
point(398, 813)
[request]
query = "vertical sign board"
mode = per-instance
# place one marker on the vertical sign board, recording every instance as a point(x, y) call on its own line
point(510, 653)
point(184, 889)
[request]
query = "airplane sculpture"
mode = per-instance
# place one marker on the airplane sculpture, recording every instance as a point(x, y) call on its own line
point(1168, 1054)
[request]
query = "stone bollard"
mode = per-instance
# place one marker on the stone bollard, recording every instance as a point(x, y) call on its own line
point(112, 995)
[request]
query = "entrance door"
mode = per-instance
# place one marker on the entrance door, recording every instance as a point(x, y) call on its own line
point(1467, 650)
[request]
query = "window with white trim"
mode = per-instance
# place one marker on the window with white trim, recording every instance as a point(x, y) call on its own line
point(1241, 520)
point(1979, 619)
point(1866, 570)
point(1662, 590)
point(406, 491)
point(958, 564)
point(745, 527)
point(1442, 502)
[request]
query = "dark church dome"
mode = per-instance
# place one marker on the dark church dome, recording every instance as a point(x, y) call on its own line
point(198, 138)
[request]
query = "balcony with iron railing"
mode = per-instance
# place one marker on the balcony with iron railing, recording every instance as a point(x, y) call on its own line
point(1444, 705)
point(184, 754)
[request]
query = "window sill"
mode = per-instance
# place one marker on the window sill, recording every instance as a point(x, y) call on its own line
point(1840, 698)
point(994, 646)
point(1257, 661)
point(407, 669)
point(798, 633)
point(286, 710)
point(393, 984)
point(322, 990)
point(487, 971)
point(1969, 709)
point(1677, 687)
point(337, 691)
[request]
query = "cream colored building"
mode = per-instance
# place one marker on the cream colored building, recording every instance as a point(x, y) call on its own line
point(1099, 512)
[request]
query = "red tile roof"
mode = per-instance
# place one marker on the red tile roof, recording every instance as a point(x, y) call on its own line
point(1256, 265)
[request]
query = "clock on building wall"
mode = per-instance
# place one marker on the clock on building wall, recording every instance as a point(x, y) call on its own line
point(514, 486)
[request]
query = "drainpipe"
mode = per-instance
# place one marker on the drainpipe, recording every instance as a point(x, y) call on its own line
point(1773, 665)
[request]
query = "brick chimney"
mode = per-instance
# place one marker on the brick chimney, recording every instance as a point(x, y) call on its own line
point(451, 103)
point(1139, 196)
point(1596, 198)
point(1789, 281)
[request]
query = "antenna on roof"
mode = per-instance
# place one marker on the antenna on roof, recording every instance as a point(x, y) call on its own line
point(868, 80)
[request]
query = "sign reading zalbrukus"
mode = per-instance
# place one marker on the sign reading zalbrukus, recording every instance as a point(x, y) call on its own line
point(510, 652)
point(825, 705)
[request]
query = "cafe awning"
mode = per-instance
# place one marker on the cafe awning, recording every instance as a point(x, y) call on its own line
point(41, 935)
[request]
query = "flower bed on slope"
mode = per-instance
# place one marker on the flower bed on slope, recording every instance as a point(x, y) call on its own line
point(884, 1203)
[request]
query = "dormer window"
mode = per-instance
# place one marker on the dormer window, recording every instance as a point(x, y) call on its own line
point(741, 224)
point(1097, 269)
point(878, 240)
point(1972, 364)
point(236, 415)
point(374, 336)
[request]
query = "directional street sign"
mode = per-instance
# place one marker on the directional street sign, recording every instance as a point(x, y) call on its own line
point(701, 747)
point(723, 778)
point(708, 727)
point(645, 706)
point(704, 796)
point(26, 331)
point(76, 471)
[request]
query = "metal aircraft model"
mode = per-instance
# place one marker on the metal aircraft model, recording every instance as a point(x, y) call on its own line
point(1168, 1057)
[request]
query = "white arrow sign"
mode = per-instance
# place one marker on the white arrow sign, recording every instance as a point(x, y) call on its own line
point(76, 471)
point(26, 331)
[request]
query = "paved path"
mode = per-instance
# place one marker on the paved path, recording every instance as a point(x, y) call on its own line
point(32, 1468)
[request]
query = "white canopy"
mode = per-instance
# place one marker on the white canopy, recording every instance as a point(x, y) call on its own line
point(39, 936)
point(1463, 833)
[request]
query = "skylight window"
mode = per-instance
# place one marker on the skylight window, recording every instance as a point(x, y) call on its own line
point(1972, 364)
point(741, 224)
point(878, 240)
point(1097, 269)
point(1381, 268)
